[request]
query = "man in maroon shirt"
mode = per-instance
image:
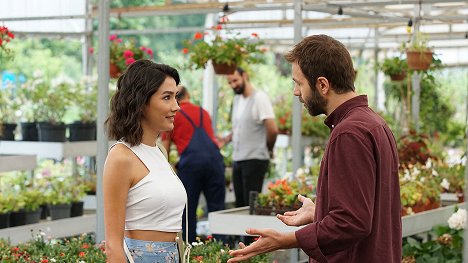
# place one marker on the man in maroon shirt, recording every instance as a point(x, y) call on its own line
point(201, 165)
point(357, 215)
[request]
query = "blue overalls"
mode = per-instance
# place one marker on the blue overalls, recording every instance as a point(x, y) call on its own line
point(201, 168)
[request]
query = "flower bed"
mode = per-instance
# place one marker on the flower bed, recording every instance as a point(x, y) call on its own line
point(43, 249)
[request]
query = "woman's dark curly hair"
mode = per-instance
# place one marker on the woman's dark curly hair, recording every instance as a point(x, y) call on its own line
point(134, 89)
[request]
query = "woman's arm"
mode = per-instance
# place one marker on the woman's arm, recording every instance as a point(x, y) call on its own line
point(117, 179)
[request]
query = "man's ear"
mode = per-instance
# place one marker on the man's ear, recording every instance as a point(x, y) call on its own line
point(323, 85)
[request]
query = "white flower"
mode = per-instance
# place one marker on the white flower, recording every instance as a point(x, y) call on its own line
point(222, 251)
point(299, 172)
point(416, 171)
point(407, 176)
point(429, 163)
point(53, 260)
point(434, 173)
point(457, 220)
point(445, 184)
point(194, 244)
point(82, 261)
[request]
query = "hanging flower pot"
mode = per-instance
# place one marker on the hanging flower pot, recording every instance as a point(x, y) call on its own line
point(114, 71)
point(419, 60)
point(224, 69)
point(398, 77)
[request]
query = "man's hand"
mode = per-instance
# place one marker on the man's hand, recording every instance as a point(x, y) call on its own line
point(302, 216)
point(269, 240)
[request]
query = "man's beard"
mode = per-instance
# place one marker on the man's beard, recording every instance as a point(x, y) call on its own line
point(239, 89)
point(316, 104)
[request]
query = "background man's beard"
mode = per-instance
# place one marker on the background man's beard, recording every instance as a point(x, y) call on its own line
point(240, 89)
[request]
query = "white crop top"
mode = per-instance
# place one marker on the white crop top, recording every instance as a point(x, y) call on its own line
point(157, 201)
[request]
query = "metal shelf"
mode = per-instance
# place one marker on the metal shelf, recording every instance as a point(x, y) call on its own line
point(56, 150)
point(17, 162)
point(55, 228)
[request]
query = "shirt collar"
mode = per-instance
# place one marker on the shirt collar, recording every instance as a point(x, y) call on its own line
point(340, 112)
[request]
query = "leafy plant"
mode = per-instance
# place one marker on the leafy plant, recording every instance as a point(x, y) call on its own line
point(9, 104)
point(213, 251)
point(230, 49)
point(394, 66)
point(33, 199)
point(7, 203)
point(86, 92)
point(283, 193)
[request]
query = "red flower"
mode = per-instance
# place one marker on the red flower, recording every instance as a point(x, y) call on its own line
point(91, 50)
point(199, 258)
point(143, 48)
point(219, 27)
point(209, 237)
point(11, 35)
point(62, 254)
point(45, 260)
point(112, 37)
point(149, 51)
point(82, 254)
point(185, 50)
point(129, 61)
point(128, 54)
point(85, 246)
point(254, 34)
point(198, 35)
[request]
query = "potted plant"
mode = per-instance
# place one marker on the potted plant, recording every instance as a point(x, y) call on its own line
point(453, 180)
point(6, 53)
point(225, 52)
point(30, 95)
point(9, 105)
point(78, 190)
point(122, 54)
point(59, 197)
point(85, 103)
point(395, 68)
point(6, 207)
point(53, 105)
point(418, 54)
point(281, 197)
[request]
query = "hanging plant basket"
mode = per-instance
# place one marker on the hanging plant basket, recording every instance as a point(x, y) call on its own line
point(419, 60)
point(224, 69)
point(398, 77)
point(114, 71)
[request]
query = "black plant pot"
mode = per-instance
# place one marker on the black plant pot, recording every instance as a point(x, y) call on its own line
point(77, 209)
point(33, 217)
point(80, 131)
point(4, 220)
point(18, 218)
point(48, 132)
point(29, 131)
point(7, 131)
point(59, 211)
point(44, 211)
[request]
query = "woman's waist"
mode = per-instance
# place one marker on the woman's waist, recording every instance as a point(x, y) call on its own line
point(151, 235)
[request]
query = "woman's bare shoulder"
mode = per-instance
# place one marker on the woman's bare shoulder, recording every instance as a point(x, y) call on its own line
point(120, 158)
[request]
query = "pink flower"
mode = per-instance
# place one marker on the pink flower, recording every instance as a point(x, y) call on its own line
point(129, 61)
point(128, 54)
point(143, 48)
point(112, 37)
point(149, 51)
point(91, 50)
point(119, 40)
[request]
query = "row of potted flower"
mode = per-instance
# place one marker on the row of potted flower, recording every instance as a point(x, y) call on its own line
point(54, 197)
point(42, 104)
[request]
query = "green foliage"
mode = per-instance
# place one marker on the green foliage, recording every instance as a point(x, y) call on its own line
point(394, 66)
point(231, 50)
point(455, 176)
point(7, 203)
point(9, 104)
point(212, 251)
point(446, 246)
point(283, 193)
point(40, 249)
point(32, 198)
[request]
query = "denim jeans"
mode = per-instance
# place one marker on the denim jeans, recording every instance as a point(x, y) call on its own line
point(152, 252)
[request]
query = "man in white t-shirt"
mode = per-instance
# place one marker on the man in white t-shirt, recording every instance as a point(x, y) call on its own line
point(253, 136)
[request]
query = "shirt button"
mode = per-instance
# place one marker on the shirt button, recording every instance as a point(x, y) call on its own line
point(333, 125)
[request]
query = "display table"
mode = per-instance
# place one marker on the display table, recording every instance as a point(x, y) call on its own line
point(56, 150)
point(235, 221)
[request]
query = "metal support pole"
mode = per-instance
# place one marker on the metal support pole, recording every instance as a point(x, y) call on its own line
point(416, 79)
point(103, 102)
point(465, 233)
point(297, 150)
point(376, 70)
